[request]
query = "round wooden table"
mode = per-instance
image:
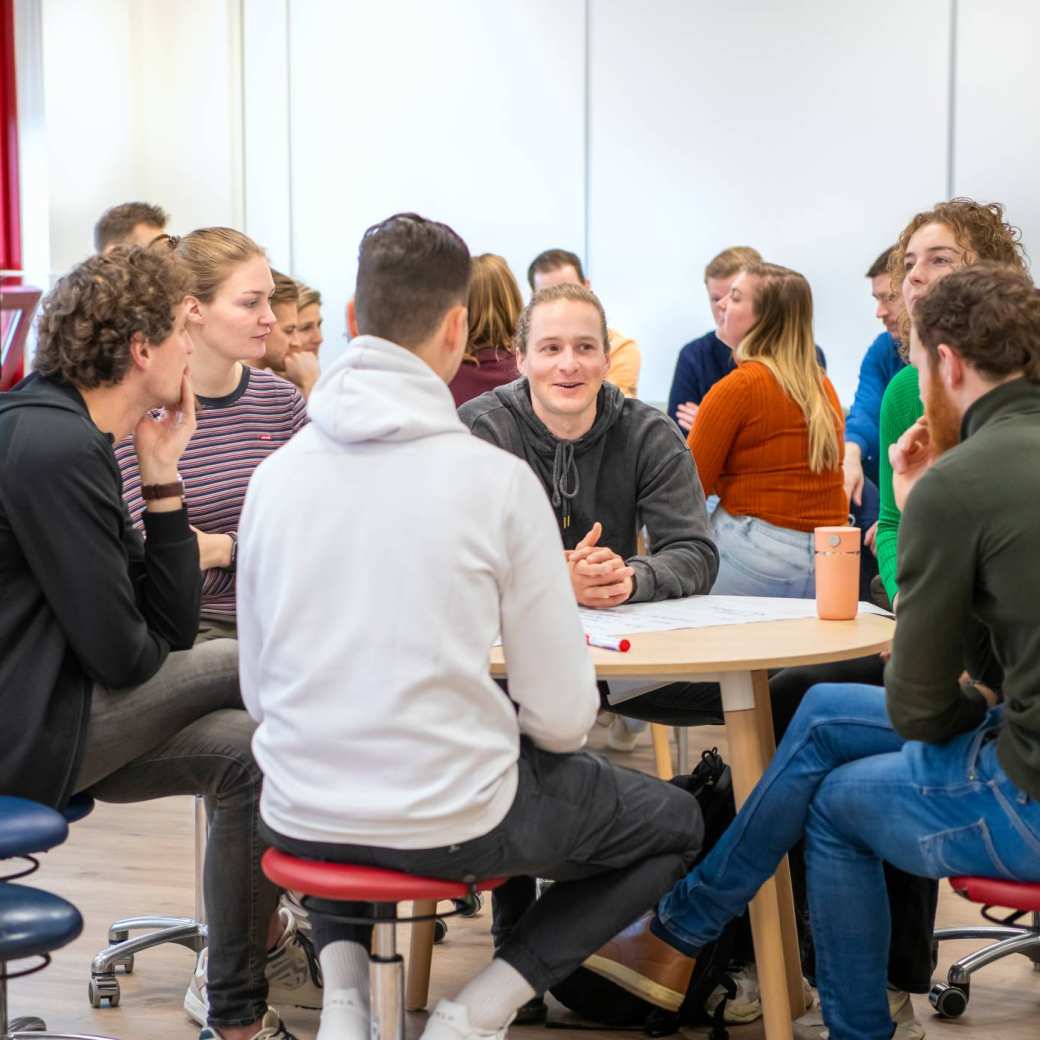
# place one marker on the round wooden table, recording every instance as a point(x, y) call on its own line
point(738, 658)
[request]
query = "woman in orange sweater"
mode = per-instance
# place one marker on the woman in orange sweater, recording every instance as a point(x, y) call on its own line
point(768, 439)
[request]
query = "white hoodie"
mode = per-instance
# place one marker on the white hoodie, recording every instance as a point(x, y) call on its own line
point(379, 553)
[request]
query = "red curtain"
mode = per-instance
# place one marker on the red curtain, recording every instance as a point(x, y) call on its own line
point(10, 221)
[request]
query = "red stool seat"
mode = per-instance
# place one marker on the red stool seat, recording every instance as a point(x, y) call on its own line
point(1015, 895)
point(349, 883)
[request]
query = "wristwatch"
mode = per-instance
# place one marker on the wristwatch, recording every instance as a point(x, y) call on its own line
point(233, 562)
point(175, 489)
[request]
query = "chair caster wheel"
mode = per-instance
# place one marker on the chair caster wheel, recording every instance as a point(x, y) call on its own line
point(102, 988)
point(948, 1001)
point(116, 935)
point(127, 965)
point(27, 1025)
point(440, 931)
point(470, 906)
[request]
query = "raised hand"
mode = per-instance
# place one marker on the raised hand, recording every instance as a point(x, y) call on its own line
point(911, 457)
point(160, 441)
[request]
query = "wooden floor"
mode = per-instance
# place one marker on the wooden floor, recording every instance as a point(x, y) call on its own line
point(126, 860)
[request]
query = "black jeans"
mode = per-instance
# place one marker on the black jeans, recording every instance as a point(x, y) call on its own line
point(185, 732)
point(912, 900)
point(612, 839)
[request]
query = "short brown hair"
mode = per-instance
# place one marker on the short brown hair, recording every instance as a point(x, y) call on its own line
point(552, 294)
point(730, 261)
point(494, 304)
point(115, 224)
point(411, 272)
point(286, 289)
point(90, 316)
point(990, 314)
point(308, 296)
point(880, 265)
point(553, 260)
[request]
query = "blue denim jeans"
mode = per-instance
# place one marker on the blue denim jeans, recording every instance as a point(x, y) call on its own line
point(757, 558)
point(861, 795)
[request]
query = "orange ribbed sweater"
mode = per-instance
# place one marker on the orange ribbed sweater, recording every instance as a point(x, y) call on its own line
point(751, 445)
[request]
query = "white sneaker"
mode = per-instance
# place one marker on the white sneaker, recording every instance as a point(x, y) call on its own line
point(271, 1028)
point(810, 1026)
point(746, 1006)
point(620, 737)
point(293, 974)
point(450, 1021)
point(344, 1016)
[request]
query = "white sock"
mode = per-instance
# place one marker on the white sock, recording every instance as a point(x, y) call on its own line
point(492, 997)
point(344, 965)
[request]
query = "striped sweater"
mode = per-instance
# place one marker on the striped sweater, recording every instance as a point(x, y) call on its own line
point(234, 435)
point(751, 445)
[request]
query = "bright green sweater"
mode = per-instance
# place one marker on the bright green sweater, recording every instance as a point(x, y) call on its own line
point(900, 408)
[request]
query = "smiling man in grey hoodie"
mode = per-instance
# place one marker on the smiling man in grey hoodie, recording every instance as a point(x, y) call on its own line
point(611, 466)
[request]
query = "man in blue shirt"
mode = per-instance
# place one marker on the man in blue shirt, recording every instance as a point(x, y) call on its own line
point(881, 362)
point(704, 361)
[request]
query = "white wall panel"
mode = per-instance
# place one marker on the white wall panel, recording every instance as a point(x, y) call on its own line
point(268, 188)
point(811, 130)
point(997, 136)
point(467, 112)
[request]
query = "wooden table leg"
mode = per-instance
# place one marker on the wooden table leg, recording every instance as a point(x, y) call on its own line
point(420, 954)
point(662, 750)
point(784, 890)
point(748, 757)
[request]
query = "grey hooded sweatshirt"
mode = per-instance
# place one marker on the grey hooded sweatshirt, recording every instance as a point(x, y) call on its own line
point(631, 469)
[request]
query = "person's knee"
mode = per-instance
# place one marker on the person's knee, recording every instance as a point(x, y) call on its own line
point(230, 735)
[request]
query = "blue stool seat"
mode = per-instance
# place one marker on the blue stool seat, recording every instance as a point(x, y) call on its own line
point(33, 922)
point(27, 827)
point(78, 806)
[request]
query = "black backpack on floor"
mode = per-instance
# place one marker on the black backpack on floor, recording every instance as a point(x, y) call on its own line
point(603, 1002)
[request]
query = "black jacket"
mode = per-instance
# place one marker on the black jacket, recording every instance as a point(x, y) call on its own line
point(631, 469)
point(81, 600)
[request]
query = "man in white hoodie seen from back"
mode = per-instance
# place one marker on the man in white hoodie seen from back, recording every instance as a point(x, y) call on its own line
point(381, 551)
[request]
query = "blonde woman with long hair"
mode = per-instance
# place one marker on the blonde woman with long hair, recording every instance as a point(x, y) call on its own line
point(769, 439)
point(494, 304)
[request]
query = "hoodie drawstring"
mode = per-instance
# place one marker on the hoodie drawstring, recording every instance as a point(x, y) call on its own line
point(563, 464)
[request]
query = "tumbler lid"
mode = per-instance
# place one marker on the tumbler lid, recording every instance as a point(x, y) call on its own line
point(837, 539)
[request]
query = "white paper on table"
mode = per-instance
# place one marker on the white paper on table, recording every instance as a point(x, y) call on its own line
point(699, 612)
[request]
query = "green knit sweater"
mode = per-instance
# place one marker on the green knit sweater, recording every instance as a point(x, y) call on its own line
point(900, 408)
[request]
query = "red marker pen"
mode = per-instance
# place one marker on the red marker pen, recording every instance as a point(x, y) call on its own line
point(606, 643)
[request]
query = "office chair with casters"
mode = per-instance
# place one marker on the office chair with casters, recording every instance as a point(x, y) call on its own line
point(1022, 899)
point(189, 932)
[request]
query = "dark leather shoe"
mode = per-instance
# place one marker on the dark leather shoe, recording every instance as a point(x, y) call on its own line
point(640, 963)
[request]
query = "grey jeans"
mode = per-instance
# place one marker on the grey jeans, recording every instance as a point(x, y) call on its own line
point(612, 839)
point(185, 732)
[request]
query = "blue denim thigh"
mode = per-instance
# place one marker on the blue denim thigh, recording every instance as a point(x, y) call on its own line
point(757, 558)
point(932, 810)
point(836, 723)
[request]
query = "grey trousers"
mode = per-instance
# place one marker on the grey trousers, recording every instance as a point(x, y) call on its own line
point(612, 839)
point(185, 732)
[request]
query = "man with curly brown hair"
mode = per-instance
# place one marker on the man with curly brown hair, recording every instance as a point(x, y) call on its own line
point(100, 689)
